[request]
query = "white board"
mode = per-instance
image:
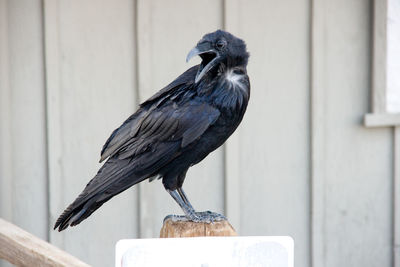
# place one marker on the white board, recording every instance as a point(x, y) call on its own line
point(276, 251)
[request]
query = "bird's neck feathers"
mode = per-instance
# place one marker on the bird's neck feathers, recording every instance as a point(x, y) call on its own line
point(228, 87)
point(235, 78)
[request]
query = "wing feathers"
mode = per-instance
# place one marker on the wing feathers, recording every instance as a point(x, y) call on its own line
point(131, 126)
point(185, 122)
point(205, 116)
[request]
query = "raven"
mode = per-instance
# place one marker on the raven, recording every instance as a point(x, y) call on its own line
point(173, 130)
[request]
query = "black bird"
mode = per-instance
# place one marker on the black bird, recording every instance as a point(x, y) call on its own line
point(173, 130)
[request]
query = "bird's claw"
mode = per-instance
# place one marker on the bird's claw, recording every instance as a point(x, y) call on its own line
point(200, 217)
point(209, 216)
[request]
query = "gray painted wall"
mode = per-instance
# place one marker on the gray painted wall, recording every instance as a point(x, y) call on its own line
point(301, 163)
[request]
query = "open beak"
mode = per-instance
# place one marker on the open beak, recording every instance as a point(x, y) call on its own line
point(209, 58)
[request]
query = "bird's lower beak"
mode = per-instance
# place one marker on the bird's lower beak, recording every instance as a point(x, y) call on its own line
point(209, 58)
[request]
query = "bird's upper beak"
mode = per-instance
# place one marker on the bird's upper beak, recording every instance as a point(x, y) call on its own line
point(208, 55)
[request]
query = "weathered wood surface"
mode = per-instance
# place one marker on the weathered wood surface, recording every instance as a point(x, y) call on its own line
point(173, 228)
point(24, 249)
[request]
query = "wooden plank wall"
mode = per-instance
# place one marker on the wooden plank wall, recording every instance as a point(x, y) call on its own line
point(301, 163)
point(357, 162)
point(23, 160)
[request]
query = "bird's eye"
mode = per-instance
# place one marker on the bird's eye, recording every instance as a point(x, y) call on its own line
point(220, 44)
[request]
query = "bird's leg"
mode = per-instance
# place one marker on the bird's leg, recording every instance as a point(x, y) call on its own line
point(213, 216)
point(184, 203)
point(183, 196)
point(190, 214)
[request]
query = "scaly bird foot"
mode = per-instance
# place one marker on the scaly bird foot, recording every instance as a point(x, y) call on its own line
point(203, 216)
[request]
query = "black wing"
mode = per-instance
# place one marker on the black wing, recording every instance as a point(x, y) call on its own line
point(131, 126)
point(170, 124)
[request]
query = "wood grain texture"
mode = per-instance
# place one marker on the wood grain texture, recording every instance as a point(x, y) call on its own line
point(173, 228)
point(24, 249)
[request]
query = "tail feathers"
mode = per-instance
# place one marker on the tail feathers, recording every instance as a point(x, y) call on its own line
point(112, 179)
point(74, 215)
point(69, 214)
point(115, 176)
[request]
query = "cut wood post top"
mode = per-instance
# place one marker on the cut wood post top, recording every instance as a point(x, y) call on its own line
point(174, 228)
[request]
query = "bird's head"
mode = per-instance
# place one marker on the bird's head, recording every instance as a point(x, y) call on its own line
point(219, 47)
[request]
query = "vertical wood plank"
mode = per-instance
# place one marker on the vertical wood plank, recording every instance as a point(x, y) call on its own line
point(90, 72)
point(6, 165)
point(5, 118)
point(166, 33)
point(268, 156)
point(23, 178)
point(379, 56)
point(318, 85)
point(358, 161)
point(54, 122)
point(396, 199)
point(24, 117)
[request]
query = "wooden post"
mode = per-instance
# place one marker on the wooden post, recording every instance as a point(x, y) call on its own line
point(174, 228)
point(24, 249)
